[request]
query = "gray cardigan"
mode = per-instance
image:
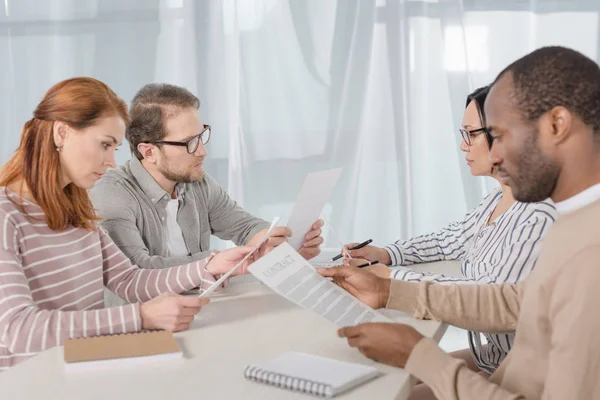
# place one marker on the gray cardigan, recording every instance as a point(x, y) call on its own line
point(133, 208)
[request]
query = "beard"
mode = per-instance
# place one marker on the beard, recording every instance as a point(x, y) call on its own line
point(537, 174)
point(189, 175)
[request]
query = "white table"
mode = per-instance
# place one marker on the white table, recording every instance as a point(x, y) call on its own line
point(245, 323)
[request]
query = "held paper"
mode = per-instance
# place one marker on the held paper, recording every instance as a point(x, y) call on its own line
point(218, 283)
point(312, 198)
point(289, 274)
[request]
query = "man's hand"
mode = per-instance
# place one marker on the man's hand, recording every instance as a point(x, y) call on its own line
point(370, 253)
point(390, 344)
point(279, 234)
point(380, 270)
point(312, 241)
point(223, 261)
point(368, 288)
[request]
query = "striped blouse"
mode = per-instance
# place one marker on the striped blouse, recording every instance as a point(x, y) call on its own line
point(506, 250)
point(51, 283)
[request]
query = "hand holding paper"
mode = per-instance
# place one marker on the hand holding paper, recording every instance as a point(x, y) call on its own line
point(290, 275)
point(270, 238)
point(243, 262)
point(312, 241)
point(363, 285)
point(225, 261)
point(312, 198)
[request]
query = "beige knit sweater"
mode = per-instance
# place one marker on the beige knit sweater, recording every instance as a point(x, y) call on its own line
point(555, 312)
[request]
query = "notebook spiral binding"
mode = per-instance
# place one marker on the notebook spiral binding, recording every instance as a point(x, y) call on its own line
point(287, 382)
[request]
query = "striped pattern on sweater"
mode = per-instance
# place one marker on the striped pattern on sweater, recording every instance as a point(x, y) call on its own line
point(506, 250)
point(51, 283)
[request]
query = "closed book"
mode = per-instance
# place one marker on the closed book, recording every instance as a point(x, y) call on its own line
point(140, 346)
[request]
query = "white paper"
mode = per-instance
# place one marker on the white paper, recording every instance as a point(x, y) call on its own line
point(289, 274)
point(238, 265)
point(323, 260)
point(331, 264)
point(312, 198)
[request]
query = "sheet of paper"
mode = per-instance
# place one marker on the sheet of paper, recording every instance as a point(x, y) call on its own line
point(323, 259)
point(289, 274)
point(327, 264)
point(218, 283)
point(312, 198)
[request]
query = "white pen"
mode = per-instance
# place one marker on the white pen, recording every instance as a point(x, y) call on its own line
point(218, 283)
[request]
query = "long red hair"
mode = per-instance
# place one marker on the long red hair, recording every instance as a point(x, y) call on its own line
point(79, 103)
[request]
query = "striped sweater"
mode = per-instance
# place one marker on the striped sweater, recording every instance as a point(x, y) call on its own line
point(506, 250)
point(51, 283)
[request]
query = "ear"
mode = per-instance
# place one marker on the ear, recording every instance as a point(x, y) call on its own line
point(148, 151)
point(561, 120)
point(60, 131)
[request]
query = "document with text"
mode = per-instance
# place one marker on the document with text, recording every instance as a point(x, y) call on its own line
point(289, 274)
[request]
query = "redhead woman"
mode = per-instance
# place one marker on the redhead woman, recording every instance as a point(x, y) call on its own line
point(54, 259)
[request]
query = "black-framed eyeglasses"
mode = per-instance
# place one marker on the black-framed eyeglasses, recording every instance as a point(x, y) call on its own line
point(468, 136)
point(193, 143)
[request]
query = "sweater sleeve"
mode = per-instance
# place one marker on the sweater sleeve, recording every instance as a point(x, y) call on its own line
point(26, 329)
point(138, 284)
point(449, 378)
point(479, 308)
point(229, 221)
point(573, 368)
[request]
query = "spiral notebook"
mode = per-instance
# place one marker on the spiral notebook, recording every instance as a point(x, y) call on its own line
point(307, 373)
point(137, 347)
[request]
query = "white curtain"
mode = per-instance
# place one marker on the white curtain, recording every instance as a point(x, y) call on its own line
point(295, 86)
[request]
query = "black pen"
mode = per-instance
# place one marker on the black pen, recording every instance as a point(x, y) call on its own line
point(358, 246)
point(367, 264)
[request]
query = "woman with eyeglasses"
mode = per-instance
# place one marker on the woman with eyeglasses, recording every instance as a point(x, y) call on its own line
point(54, 259)
point(498, 241)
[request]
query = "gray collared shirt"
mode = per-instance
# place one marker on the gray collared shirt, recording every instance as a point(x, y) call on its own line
point(133, 208)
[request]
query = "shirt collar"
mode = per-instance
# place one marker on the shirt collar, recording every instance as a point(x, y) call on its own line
point(149, 185)
point(580, 200)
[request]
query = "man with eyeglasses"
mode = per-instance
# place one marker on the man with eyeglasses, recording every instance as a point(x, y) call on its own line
point(161, 208)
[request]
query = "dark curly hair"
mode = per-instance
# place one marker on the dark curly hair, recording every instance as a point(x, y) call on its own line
point(557, 76)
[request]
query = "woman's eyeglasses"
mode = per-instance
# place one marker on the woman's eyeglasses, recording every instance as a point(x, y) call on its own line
point(469, 136)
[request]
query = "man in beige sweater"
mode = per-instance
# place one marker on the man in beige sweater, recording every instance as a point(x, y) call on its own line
point(543, 112)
